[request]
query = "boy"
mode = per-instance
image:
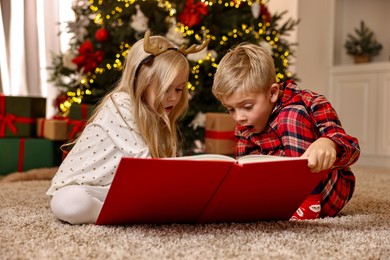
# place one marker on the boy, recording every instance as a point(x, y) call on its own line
point(281, 119)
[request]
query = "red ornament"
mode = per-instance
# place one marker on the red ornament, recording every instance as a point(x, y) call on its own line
point(192, 13)
point(102, 35)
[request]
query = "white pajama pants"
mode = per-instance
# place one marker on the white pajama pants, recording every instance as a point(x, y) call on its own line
point(78, 204)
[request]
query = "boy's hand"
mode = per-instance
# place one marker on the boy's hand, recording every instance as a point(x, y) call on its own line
point(321, 154)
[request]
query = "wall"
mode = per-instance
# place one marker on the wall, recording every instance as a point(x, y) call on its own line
point(291, 6)
point(314, 56)
point(348, 15)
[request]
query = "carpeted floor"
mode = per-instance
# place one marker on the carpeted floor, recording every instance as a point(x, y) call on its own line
point(28, 230)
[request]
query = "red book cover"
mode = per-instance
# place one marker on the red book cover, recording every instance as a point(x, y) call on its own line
point(207, 189)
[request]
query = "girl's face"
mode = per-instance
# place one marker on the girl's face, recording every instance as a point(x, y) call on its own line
point(171, 97)
point(252, 109)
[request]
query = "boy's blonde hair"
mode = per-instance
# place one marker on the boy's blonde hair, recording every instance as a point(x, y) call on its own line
point(246, 68)
point(158, 129)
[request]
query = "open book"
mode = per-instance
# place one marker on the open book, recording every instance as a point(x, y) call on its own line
point(207, 189)
point(253, 158)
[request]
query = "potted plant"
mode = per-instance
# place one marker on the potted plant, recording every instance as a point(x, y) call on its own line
point(363, 45)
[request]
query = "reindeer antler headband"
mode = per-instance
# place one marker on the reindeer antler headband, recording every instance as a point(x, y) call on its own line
point(157, 49)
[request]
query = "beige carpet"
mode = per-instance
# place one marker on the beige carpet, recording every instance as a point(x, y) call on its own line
point(28, 230)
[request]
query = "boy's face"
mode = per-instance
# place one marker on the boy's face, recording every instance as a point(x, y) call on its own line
point(252, 109)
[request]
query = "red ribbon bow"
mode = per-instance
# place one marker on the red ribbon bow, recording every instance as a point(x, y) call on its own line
point(88, 58)
point(192, 13)
point(77, 128)
point(78, 125)
point(9, 120)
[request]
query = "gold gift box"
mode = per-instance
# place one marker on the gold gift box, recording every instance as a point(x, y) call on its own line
point(219, 134)
point(52, 129)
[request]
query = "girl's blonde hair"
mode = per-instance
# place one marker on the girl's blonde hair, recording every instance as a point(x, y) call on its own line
point(246, 68)
point(158, 129)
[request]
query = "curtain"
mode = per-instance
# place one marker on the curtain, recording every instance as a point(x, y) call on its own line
point(29, 32)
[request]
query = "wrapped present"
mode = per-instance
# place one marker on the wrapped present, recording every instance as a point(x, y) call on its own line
point(75, 128)
point(80, 111)
point(77, 118)
point(22, 154)
point(18, 115)
point(52, 129)
point(219, 133)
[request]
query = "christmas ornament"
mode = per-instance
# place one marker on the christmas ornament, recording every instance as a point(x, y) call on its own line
point(255, 8)
point(198, 121)
point(266, 46)
point(199, 146)
point(213, 54)
point(175, 36)
point(102, 35)
point(198, 56)
point(139, 22)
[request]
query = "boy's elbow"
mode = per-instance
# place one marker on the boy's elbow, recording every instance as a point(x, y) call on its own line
point(354, 152)
point(348, 153)
point(355, 156)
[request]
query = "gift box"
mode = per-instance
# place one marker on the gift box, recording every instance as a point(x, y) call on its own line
point(52, 129)
point(219, 134)
point(18, 115)
point(77, 118)
point(81, 111)
point(75, 128)
point(22, 154)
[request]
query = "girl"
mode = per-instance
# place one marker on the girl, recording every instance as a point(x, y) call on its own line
point(137, 119)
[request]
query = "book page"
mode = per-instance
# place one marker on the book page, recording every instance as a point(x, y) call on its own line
point(253, 158)
point(206, 157)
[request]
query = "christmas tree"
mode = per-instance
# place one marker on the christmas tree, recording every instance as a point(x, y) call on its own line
point(104, 31)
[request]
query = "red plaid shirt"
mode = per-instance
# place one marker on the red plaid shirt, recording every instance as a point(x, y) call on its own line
point(299, 118)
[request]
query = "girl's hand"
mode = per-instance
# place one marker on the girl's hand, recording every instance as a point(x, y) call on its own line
point(321, 154)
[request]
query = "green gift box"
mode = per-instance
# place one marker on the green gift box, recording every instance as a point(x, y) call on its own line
point(80, 111)
point(20, 154)
point(75, 128)
point(18, 115)
point(77, 118)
